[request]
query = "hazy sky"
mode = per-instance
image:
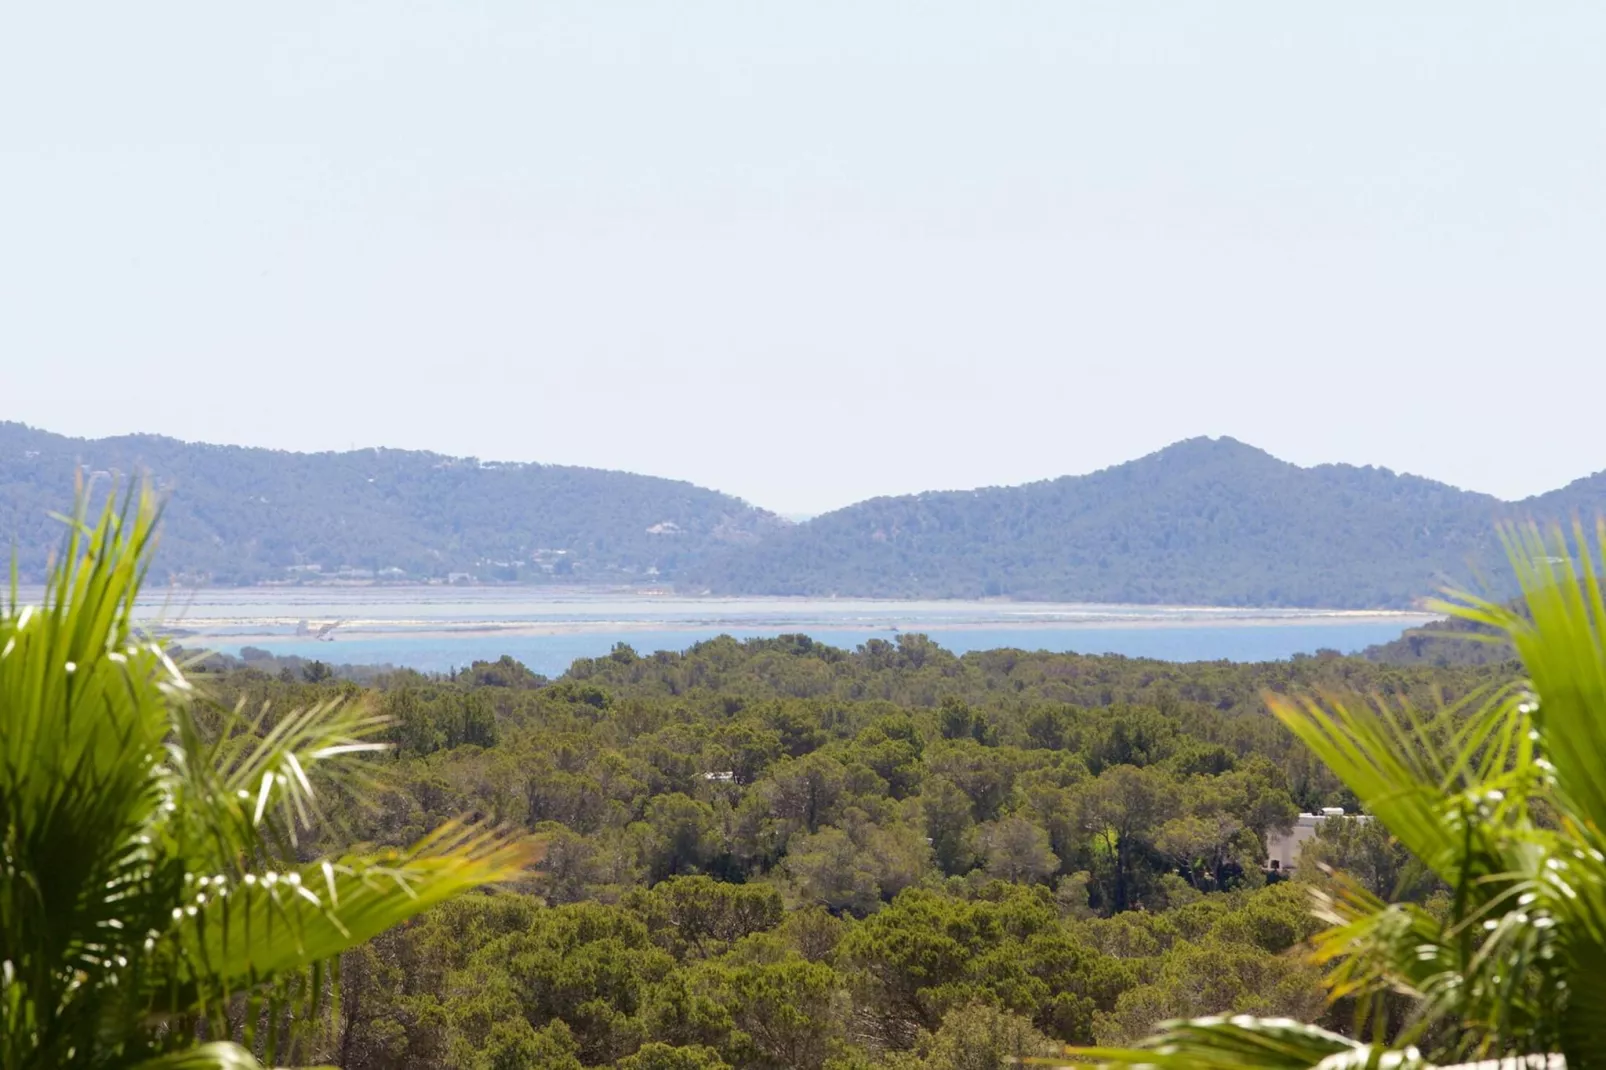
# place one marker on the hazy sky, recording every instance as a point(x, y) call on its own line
point(811, 252)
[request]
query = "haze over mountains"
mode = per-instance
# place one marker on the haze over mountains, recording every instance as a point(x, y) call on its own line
point(1205, 521)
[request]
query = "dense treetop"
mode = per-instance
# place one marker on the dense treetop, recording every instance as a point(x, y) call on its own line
point(779, 854)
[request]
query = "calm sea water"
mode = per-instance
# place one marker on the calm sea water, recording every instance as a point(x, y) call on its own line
point(552, 654)
point(434, 628)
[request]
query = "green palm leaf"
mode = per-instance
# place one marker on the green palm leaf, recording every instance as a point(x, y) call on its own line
point(279, 922)
point(149, 842)
point(1244, 1043)
point(219, 1055)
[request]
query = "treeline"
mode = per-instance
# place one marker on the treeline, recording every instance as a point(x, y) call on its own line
point(781, 854)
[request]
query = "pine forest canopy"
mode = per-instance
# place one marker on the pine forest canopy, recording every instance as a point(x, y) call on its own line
point(780, 854)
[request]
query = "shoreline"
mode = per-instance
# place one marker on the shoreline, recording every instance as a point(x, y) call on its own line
point(357, 596)
point(266, 632)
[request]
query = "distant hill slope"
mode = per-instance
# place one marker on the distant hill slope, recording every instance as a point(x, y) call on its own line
point(1442, 643)
point(1205, 521)
point(245, 515)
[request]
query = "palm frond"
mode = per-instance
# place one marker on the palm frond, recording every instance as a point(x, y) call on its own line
point(261, 783)
point(1245, 1043)
point(220, 1055)
point(235, 935)
point(1503, 797)
point(152, 871)
point(1559, 631)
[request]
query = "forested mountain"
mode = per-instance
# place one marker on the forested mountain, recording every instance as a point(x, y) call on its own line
point(238, 515)
point(1205, 521)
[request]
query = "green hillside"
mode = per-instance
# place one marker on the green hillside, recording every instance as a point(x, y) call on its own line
point(239, 515)
point(1205, 521)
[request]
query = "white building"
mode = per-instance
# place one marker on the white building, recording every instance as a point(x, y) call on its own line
point(1282, 848)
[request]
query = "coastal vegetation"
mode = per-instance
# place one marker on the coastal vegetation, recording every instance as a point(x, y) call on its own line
point(1451, 641)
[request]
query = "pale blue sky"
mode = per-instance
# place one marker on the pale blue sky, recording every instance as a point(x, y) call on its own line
point(811, 252)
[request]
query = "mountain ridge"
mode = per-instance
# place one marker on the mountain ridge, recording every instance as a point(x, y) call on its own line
point(1205, 520)
point(240, 514)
